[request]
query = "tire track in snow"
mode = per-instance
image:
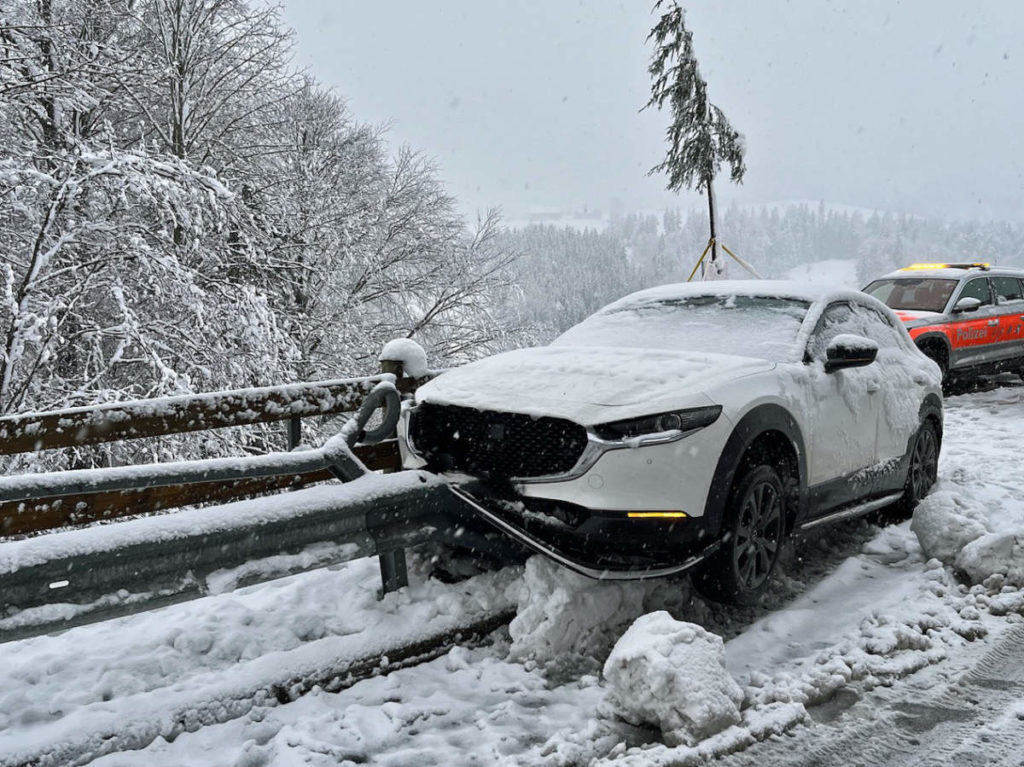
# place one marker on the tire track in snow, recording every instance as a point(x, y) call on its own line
point(961, 724)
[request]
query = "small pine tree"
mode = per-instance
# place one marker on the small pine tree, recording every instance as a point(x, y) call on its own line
point(700, 137)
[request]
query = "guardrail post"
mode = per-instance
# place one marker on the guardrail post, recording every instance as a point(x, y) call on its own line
point(294, 432)
point(393, 572)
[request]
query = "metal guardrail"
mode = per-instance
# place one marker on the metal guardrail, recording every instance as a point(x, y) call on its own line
point(80, 575)
point(99, 572)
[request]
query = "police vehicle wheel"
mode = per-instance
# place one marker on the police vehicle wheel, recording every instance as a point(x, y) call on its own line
point(937, 354)
point(755, 526)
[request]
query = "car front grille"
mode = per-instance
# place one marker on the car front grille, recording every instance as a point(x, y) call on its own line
point(493, 444)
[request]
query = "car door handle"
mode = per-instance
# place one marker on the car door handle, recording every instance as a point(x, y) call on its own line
point(1022, 317)
point(873, 386)
point(993, 322)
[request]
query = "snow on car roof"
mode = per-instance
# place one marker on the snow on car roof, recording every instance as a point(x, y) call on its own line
point(785, 289)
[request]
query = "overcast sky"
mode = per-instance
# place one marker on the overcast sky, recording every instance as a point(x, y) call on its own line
point(532, 105)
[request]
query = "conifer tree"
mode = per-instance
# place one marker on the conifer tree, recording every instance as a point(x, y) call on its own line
point(699, 137)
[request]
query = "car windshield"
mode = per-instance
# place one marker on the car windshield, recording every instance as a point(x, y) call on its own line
point(751, 326)
point(920, 294)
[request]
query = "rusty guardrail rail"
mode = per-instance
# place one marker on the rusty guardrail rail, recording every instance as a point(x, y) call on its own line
point(175, 415)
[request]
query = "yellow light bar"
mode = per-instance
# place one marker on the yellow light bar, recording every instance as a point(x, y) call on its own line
point(656, 514)
point(916, 267)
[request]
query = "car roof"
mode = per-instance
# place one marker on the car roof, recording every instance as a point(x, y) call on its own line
point(952, 271)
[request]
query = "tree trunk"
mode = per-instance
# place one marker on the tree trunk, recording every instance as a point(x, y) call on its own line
point(711, 269)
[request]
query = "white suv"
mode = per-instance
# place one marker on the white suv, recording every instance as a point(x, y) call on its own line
point(690, 425)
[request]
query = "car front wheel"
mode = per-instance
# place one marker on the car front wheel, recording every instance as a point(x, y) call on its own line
point(755, 528)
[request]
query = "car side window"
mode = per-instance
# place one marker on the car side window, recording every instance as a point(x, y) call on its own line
point(1007, 289)
point(878, 327)
point(834, 320)
point(977, 288)
point(855, 319)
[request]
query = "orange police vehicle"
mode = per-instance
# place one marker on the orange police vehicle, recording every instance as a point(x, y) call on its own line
point(969, 318)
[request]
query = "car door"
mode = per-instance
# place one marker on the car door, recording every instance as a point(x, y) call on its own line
point(973, 335)
point(1009, 295)
point(842, 413)
point(902, 389)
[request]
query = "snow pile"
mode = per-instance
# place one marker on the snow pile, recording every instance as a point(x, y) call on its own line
point(946, 521)
point(409, 353)
point(672, 674)
point(563, 617)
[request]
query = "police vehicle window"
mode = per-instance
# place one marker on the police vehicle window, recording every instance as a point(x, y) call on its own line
point(977, 288)
point(1007, 289)
point(919, 294)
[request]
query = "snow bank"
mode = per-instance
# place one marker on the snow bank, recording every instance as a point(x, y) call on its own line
point(564, 616)
point(974, 520)
point(409, 353)
point(672, 674)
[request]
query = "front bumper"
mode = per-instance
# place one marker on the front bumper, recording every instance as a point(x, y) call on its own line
point(601, 545)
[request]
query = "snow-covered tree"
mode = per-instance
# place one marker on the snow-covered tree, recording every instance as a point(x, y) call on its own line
point(699, 136)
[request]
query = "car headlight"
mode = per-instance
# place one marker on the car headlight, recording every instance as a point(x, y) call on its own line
point(677, 420)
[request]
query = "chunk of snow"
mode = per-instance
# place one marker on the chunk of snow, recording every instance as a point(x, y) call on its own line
point(409, 353)
point(672, 674)
point(993, 554)
point(946, 521)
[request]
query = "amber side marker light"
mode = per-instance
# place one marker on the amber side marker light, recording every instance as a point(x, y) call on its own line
point(656, 514)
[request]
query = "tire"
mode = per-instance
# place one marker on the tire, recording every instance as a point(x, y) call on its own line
point(739, 572)
point(922, 472)
point(936, 352)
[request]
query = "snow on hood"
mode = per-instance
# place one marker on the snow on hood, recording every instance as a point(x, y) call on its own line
point(588, 385)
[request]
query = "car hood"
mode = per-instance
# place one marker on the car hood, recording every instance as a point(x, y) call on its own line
point(588, 385)
point(915, 319)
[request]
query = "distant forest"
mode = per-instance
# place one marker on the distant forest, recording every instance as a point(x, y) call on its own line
point(565, 273)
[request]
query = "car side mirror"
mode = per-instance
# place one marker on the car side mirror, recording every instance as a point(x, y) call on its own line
point(967, 304)
point(849, 351)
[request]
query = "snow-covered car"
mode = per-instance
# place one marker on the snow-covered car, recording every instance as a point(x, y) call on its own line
point(688, 426)
point(969, 318)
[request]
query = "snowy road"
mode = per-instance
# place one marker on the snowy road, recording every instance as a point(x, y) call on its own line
point(867, 653)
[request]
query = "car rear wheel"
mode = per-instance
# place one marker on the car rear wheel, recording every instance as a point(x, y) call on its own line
point(923, 471)
point(739, 571)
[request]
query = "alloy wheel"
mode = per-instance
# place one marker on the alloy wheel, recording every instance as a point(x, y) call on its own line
point(758, 535)
point(924, 462)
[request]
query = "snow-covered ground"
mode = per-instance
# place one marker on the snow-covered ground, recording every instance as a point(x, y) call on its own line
point(869, 648)
point(835, 271)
